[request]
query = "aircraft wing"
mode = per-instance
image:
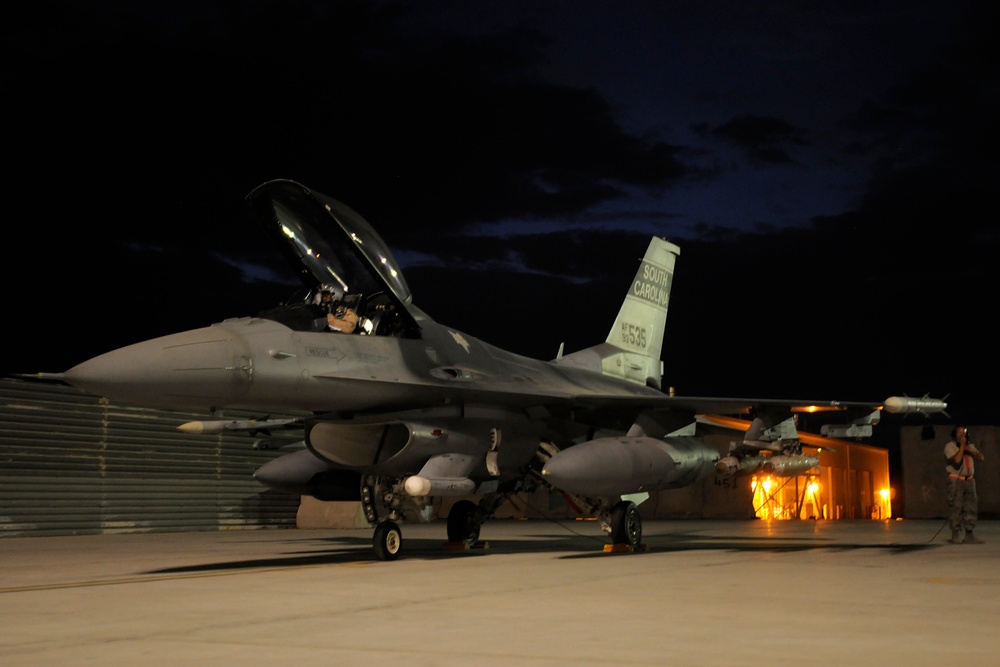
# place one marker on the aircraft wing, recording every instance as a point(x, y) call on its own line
point(741, 406)
point(846, 418)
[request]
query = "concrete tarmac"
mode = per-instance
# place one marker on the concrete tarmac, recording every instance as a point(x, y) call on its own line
point(538, 594)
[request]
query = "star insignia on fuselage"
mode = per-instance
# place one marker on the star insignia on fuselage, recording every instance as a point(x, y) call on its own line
point(460, 339)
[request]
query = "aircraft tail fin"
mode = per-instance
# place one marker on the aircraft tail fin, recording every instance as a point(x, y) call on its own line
point(634, 344)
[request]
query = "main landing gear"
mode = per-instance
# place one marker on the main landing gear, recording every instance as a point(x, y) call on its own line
point(388, 540)
point(464, 522)
point(626, 527)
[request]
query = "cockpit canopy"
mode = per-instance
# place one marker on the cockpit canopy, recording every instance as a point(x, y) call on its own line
point(332, 247)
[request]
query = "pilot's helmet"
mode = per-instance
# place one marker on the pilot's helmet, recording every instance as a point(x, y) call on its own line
point(324, 294)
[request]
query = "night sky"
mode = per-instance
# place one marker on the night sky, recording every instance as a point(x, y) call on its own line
point(829, 171)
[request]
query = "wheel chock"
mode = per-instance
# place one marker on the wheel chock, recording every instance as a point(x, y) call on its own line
point(465, 546)
point(624, 548)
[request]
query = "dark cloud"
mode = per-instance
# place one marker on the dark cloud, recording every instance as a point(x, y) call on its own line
point(762, 139)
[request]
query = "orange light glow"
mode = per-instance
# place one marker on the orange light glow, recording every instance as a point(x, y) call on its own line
point(817, 408)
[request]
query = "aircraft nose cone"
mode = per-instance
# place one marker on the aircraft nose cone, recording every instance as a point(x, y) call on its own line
point(202, 368)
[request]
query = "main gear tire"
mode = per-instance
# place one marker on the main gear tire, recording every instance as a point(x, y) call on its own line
point(388, 540)
point(626, 524)
point(463, 523)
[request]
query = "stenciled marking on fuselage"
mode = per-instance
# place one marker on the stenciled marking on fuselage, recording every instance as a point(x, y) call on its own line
point(325, 353)
point(367, 358)
point(652, 284)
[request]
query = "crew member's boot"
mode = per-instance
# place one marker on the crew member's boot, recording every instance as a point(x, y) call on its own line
point(972, 539)
point(956, 537)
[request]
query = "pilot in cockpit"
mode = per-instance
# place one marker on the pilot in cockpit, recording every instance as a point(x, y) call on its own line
point(324, 299)
point(339, 316)
point(342, 319)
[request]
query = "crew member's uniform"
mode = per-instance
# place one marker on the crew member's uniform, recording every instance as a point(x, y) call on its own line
point(962, 499)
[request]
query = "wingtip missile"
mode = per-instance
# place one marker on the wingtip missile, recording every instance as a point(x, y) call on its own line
point(907, 405)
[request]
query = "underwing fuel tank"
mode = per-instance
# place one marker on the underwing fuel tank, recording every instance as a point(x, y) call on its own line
point(630, 464)
point(304, 474)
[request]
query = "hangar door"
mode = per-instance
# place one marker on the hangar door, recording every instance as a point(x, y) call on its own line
point(73, 464)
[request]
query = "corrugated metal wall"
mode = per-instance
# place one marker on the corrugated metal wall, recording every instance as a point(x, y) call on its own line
point(72, 464)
